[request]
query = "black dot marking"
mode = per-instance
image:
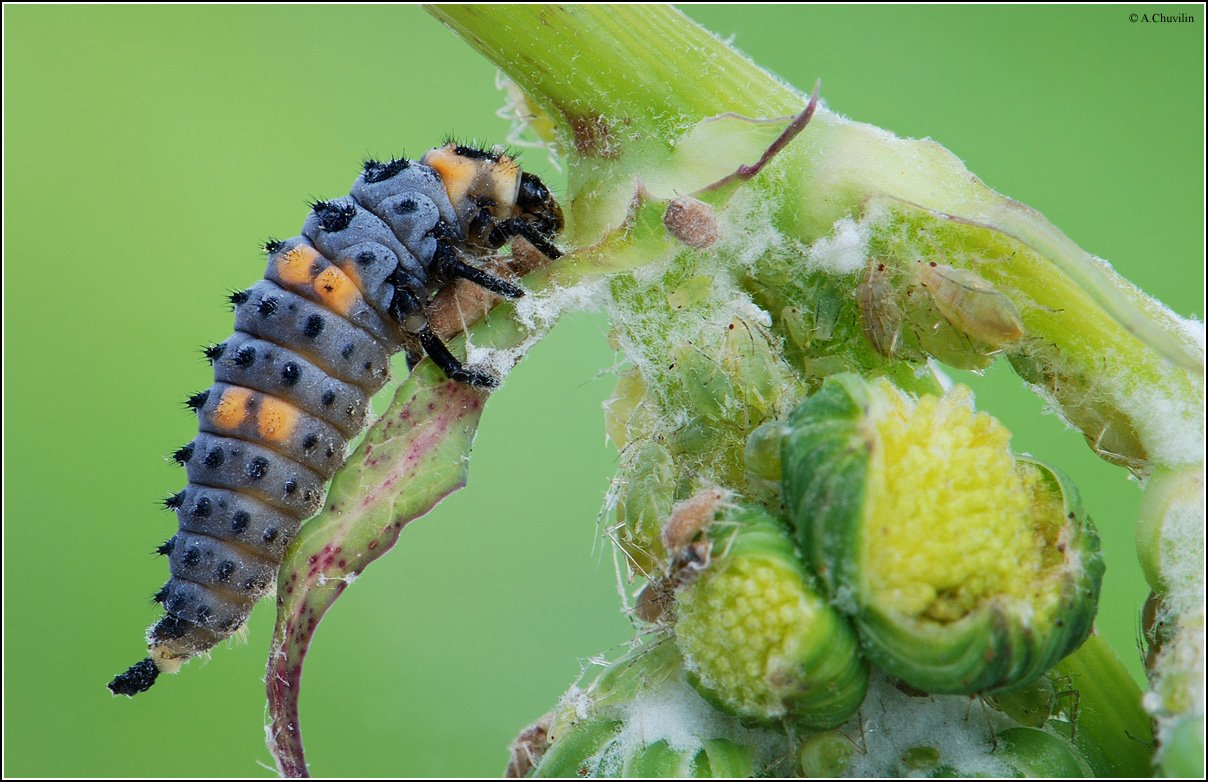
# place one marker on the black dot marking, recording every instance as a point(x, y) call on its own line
point(375, 171)
point(203, 614)
point(168, 628)
point(192, 556)
point(257, 468)
point(366, 258)
point(313, 327)
point(348, 350)
point(237, 297)
point(245, 357)
point(198, 400)
point(368, 365)
point(215, 458)
point(174, 501)
point(307, 496)
point(269, 535)
point(183, 454)
point(224, 570)
point(214, 352)
point(290, 373)
point(330, 452)
point(138, 678)
point(291, 486)
point(406, 206)
point(176, 603)
point(240, 521)
point(310, 442)
point(203, 508)
point(329, 397)
point(268, 306)
point(334, 217)
point(166, 547)
point(272, 245)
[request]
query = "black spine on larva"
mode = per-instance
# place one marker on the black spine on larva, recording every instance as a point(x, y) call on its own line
point(291, 387)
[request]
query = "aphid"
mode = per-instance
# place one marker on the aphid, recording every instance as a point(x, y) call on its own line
point(972, 304)
point(312, 344)
point(879, 313)
point(688, 548)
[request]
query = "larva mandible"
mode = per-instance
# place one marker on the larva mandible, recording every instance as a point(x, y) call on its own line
point(312, 344)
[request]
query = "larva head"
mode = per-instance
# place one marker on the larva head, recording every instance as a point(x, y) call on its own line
point(476, 178)
point(490, 181)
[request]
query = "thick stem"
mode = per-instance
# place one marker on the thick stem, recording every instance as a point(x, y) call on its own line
point(615, 72)
point(1109, 727)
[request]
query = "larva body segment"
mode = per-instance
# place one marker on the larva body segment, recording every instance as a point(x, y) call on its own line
point(312, 344)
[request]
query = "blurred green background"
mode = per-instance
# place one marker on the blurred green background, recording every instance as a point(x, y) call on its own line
point(149, 150)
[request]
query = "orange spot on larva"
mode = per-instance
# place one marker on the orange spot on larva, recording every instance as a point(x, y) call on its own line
point(337, 292)
point(276, 420)
point(456, 172)
point(296, 266)
point(231, 408)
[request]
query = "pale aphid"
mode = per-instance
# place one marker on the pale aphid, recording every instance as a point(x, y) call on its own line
point(972, 304)
point(880, 315)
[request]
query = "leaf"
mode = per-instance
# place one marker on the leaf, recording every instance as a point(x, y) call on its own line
point(410, 459)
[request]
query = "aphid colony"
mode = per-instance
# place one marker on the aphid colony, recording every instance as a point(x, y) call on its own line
point(312, 344)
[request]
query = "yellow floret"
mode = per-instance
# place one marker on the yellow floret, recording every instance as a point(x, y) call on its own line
point(746, 649)
point(948, 520)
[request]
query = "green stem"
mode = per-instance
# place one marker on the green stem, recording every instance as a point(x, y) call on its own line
point(1110, 729)
point(613, 73)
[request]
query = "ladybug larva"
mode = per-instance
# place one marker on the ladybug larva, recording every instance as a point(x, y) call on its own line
point(312, 344)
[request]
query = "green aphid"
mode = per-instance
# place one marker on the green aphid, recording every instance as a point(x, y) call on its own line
point(644, 502)
point(1032, 752)
point(967, 569)
point(825, 755)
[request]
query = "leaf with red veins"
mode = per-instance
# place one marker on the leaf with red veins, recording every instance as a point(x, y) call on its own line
point(411, 459)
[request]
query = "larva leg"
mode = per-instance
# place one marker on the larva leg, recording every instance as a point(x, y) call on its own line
point(449, 363)
point(455, 268)
point(407, 307)
point(506, 229)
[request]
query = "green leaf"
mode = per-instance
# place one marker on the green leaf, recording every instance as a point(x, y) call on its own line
point(412, 458)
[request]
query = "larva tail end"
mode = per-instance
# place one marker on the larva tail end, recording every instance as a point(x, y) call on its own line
point(138, 678)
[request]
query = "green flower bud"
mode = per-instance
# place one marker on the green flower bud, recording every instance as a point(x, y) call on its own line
point(967, 569)
point(758, 642)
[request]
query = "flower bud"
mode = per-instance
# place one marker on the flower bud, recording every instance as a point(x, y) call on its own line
point(757, 640)
point(966, 568)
